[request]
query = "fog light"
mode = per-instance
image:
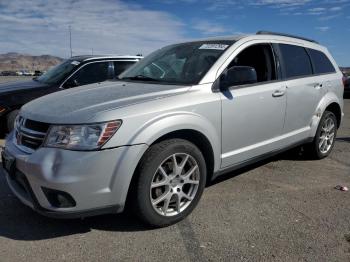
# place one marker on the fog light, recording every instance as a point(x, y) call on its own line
point(59, 199)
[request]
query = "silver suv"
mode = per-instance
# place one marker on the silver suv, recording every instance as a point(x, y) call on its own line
point(182, 116)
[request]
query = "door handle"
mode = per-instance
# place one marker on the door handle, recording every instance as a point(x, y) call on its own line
point(278, 93)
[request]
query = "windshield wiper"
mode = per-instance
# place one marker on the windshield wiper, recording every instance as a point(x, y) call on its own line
point(140, 77)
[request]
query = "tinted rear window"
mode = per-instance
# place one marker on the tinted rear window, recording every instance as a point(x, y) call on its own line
point(296, 61)
point(321, 63)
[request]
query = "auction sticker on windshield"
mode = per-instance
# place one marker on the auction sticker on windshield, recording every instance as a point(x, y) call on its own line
point(213, 46)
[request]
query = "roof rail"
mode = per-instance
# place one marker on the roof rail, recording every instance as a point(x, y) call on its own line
point(287, 35)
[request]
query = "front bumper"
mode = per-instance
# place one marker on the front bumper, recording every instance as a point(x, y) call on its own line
point(98, 181)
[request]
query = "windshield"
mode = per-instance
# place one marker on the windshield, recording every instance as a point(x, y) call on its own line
point(58, 73)
point(178, 64)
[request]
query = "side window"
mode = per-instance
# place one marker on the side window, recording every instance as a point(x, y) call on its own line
point(296, 61)
point(91, 73)
point(321, 63)
point(260, 57)
point(121, 66)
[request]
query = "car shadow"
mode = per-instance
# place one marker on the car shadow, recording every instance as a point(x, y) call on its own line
point(343, 139)
point(19, 222)
point(295, 154)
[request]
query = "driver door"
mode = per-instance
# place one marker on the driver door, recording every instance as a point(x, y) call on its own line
point(253, 115)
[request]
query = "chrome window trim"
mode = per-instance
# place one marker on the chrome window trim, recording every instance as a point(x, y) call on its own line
point(114, 58)
point(92, 62)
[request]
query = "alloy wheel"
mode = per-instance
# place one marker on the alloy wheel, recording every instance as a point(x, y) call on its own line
point(327, 134)
point(174, 184)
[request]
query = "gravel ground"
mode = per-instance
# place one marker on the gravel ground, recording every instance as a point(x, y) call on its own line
point(283, 209)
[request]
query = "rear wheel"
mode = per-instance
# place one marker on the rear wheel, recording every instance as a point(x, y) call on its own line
point(324, 140)
point(11, 117)
point(172, 177)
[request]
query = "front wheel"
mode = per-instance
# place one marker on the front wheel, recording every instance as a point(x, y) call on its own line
point(324, 140)
point(171, 180)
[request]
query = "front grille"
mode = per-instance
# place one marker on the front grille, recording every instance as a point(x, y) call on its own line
point(29, 134)
point(36, 126)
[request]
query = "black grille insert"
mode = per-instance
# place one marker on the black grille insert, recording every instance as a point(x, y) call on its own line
point(30, 134)
point(36, 126)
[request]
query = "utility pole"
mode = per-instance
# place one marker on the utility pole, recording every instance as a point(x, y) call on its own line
point(70, 41)
point(92, 51)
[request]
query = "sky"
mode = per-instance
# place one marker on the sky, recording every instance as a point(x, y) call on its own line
point(131, 27)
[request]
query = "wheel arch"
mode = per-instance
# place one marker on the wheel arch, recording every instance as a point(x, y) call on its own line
point(331, 103)
point(199, 140)
point(194, 136)
point(336, 110)
point(194, 127)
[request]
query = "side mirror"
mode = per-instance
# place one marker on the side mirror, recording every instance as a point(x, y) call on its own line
point(238, 75)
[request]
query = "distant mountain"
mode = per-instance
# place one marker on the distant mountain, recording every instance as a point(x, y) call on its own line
point(16, 61)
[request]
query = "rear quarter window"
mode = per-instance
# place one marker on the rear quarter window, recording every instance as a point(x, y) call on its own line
point(296, 61)
point(320, 62)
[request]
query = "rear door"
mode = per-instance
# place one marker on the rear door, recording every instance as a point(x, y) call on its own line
point(324, 71)
point(303, 90)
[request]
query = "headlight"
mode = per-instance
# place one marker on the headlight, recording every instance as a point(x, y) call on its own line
point(2, 109)
point(81, 137)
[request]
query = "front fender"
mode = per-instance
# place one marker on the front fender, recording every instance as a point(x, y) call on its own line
point(164, 124)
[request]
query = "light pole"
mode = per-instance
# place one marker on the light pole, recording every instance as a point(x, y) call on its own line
point(70, 41)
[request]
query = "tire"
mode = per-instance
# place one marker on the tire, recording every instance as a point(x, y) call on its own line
point(11, 117)
point(316, 150)
point(189, 189)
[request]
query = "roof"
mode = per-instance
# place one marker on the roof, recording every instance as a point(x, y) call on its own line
point(83, 58)
point(222, 38)
point(262, 35)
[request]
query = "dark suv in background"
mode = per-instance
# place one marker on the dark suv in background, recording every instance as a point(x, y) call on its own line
point(76, 71)
point(346, 80)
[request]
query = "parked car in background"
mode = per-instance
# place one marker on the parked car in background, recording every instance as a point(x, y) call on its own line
point(27, 73)
point(8, 73)
point(346, 80)
point(182, 116)
point(37, 73)
point(76, 71)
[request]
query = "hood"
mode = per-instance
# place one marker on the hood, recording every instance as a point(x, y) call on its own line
point(80, 104)
point(20, 85)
